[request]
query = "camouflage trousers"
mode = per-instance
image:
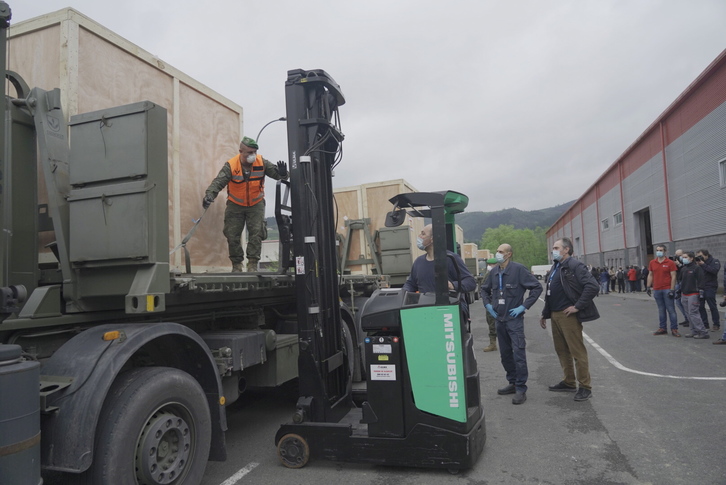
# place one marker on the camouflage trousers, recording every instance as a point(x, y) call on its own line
point(235, 219)
point(492, 323)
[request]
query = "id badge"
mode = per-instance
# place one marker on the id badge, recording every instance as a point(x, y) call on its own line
point(501, 301)
point(548, 292)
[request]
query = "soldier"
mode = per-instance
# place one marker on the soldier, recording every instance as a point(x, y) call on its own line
point(491, 321)
point(244, 177)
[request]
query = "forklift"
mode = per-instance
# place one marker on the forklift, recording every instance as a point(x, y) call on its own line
point(421, 406)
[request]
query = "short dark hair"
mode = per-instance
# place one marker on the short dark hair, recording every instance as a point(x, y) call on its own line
point(567, 244)
point(660, 246)
point(690, 254)
point(704, 252)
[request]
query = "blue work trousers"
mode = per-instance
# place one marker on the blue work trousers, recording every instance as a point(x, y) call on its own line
point(510, 334)
point(666, 308)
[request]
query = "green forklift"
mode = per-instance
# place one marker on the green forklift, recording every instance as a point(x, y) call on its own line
point(421, 406)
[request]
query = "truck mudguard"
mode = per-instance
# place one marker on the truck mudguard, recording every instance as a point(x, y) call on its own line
point(93, 363)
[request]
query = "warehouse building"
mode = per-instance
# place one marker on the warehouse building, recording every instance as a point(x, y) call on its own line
point(668, 187)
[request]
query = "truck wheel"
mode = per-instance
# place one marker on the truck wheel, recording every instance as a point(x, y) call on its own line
point(293, 451)
point(154, 429)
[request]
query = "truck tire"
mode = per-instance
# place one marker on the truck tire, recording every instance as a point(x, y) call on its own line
point(155, 428)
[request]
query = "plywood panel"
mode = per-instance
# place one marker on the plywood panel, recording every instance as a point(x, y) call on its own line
point(347, 201)
point(97, 69)
point(36, 57)
point(208, 137)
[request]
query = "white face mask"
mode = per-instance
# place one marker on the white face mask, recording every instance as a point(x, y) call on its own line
point(500, 257)
point(556, 255)
point(659, 254)
point(251, 158)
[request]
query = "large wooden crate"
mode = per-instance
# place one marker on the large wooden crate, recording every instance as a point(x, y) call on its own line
point(469, 250)
point(96, 69)
point(370, 201)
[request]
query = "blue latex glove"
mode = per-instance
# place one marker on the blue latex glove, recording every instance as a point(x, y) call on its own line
point(490, 309)
point(515, 312)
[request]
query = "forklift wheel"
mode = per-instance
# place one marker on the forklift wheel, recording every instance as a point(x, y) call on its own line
point(293, 451)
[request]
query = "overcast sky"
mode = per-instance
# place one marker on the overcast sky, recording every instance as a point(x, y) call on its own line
point(514, 103)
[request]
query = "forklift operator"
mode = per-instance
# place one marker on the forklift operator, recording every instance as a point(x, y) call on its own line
point(244, 177)
point(422, 277)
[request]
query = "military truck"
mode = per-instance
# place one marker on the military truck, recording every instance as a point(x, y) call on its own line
point(136, 362)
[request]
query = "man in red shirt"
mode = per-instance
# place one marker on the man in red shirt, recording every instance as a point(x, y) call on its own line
point(662, 282)
point(632, 278)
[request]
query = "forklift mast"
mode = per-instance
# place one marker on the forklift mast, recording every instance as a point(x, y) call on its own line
point(314, 144)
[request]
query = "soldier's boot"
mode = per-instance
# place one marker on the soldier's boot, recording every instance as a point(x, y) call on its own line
point(492, 345)
point(252, 265)
point(237, 268)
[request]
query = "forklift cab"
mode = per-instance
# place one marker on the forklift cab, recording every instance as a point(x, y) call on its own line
point(419, 350)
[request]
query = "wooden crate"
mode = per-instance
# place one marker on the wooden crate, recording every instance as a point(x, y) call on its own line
point(97, 69)
point(370, 201)
point(469, 250)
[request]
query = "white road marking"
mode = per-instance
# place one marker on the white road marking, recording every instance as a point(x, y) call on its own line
point(620, 366)
point(240, 474)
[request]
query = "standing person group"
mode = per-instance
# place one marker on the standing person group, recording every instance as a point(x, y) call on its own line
point(690, 281)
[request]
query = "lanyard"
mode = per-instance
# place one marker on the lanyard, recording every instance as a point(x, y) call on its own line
point(552, 275)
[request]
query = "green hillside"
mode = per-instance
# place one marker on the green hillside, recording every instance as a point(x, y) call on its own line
point(475, 223)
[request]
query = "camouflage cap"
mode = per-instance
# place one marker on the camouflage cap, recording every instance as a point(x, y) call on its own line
point(250, 142)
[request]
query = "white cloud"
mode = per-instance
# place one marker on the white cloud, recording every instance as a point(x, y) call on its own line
point(517, 104)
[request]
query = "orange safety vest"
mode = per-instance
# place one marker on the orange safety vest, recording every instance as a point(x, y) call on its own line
point(246, 192)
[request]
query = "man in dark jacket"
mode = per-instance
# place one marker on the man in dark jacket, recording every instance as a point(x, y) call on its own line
point(503, 297)
point(710, 266)
point(569, 302)
point(692, 280)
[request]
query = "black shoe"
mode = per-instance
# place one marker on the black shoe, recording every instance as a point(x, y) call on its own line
point(519, 397)
point(562, 387)
point(702, 336)
point(583, 394)
point(684, 324)
point(506, 390)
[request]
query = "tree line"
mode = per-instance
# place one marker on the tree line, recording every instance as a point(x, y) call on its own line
point(528, 245)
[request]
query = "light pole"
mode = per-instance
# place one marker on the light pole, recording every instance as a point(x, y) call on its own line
point(266, 125)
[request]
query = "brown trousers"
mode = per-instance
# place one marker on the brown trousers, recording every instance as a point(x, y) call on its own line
point(569, 345)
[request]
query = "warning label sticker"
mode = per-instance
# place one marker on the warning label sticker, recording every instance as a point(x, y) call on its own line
point(382, 372)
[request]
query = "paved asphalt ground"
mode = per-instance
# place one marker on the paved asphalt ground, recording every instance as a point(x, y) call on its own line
point(657, 416)
point(649, 421)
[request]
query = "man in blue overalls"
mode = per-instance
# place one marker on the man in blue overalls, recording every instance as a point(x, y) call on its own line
point(503, 294)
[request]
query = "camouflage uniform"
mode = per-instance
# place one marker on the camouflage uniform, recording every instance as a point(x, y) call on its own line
point(237, 216)
point(491, 322)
